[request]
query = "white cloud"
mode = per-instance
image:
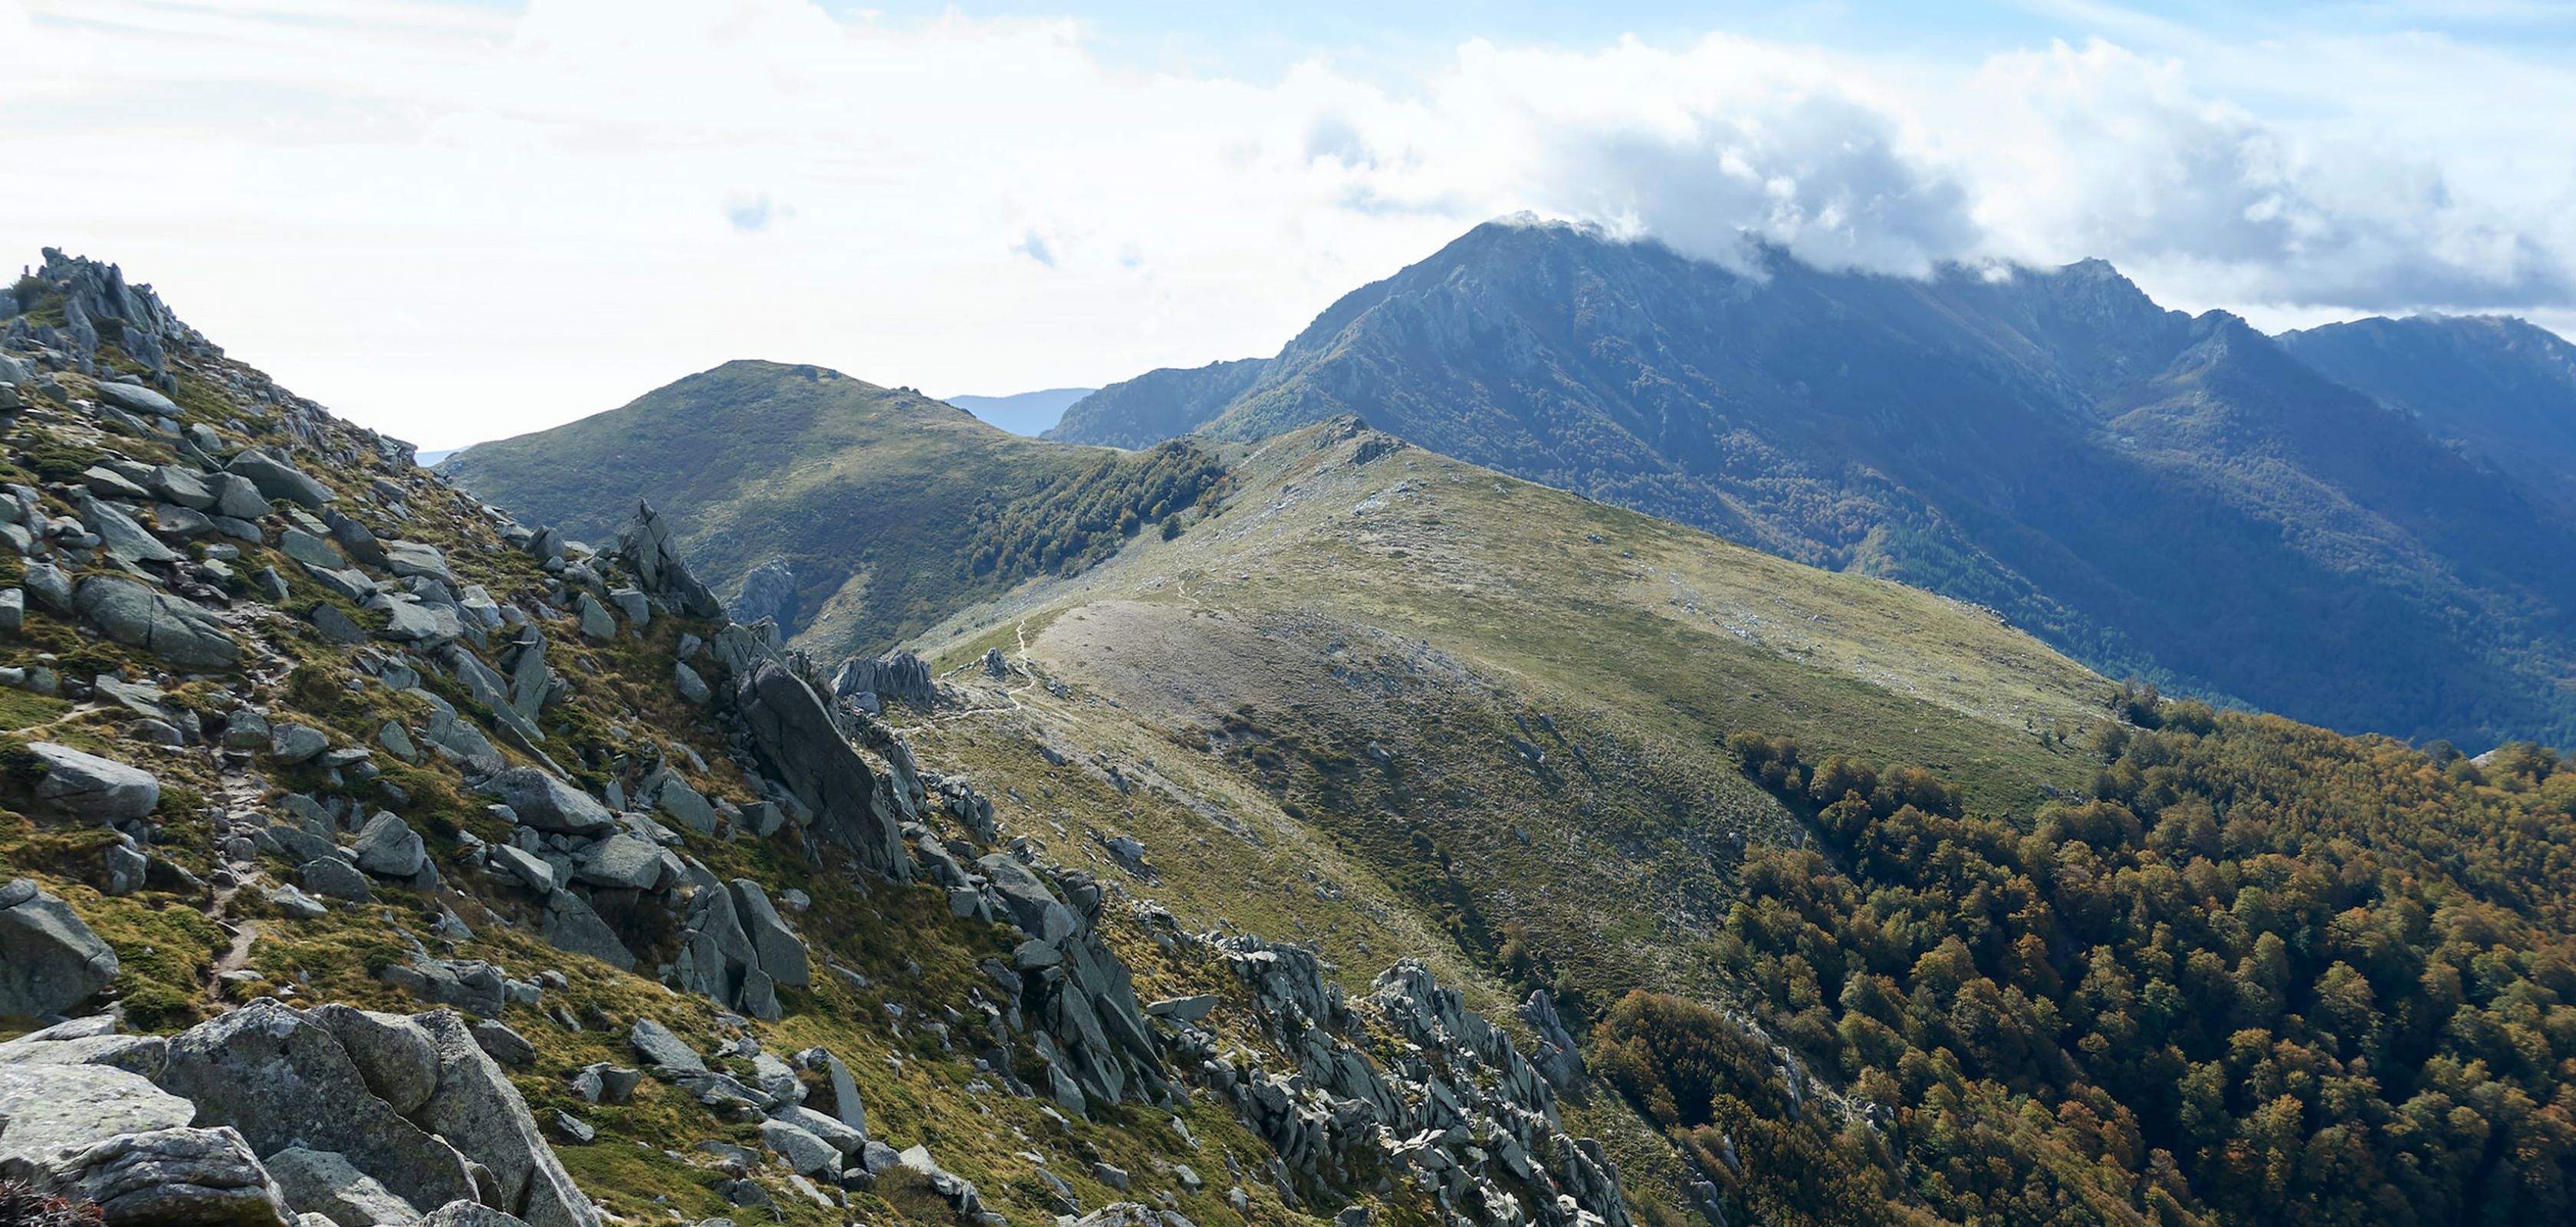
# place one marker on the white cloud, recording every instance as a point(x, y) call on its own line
point(456, 224)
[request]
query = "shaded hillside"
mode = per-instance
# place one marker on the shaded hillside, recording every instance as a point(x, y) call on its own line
point(867, 512)
point(2150, 492)
point(2504, 389)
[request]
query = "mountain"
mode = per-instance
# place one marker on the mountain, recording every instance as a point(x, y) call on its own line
point(2154, 493)
point(1381, 838)
point(1157, 405)
point(851, 514)
point(374, 854)
point(2503, 389)
point(1029, 414)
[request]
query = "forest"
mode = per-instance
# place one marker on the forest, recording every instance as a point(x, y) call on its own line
point(2262, 973)
point(1081, 518)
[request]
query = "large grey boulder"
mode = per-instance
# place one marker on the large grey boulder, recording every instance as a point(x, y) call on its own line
point(135, 398)
point(172, 1177)
point(179, 631)
point(470, 1214)
point(782, 953)
point(323, 1182)
point(620, 862)
point(663, 1050)
point(277, 479)
point(389, 848)
point(417, 558)
point(467, 984)
point(49, 960)
point(333, 878)
point(237, 497)
point(119, 534)
point(283, 1079)
point(393, 1053)
point(571, 925)
point(549, 804)
point(805, 1153)
point(56, 1107)
point(1034, 907)
point(477, 1110)
point(796, 738)
point(92, 787)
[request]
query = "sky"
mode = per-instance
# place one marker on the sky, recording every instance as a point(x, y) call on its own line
point(461, 221)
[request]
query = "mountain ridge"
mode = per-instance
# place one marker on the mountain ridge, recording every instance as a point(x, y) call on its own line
point(2028, 440)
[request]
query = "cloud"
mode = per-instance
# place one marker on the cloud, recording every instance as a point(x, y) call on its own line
point(339, 193)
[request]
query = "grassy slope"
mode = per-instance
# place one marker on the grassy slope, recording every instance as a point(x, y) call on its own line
point(1544, 680)
point(858, 487)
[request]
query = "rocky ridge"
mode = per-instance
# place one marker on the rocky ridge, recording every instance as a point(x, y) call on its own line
point(361, 741)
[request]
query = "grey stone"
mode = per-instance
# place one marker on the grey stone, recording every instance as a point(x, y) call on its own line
point(595, 622)
point(237, 497)
point(693, 688)
point(504, 1045)
point(842, 1137)
point(529, 868)
point(572, 926)
point(296, 743)
point(123, 538)
point(481, 1114)
point(1183, 1009)
point(49, 960)
point(470, 1214)
point(277, 479)
point(548, 804)
point(333, 878)
point(663, 1050)
point(50, 1107)
point(468, 984)
point(620, 862)
point(388, 848)
point(397, 742)
point(631, 602)
point(175, 1177)
point(322, 1182)
point(100, 789)
point(145, 1055)
point(805, 1153)
point(795, 737)
point(50, 585)
point(782, 954)
point(185, 487)
point(337, 627)
point(416, 558)
point(108, 483)
point(135, 398)
point(393, 1054)
point(687, 806)
point(311, 550)
point(284, 1080)
point(173, 629)
point(295, 904)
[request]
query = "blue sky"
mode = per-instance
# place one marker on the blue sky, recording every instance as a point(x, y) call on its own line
point(461, 220)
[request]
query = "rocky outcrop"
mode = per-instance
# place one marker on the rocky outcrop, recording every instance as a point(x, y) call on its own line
point(795, 738)
point(646, 543)
point(901, 677)
point(49, 960)
point(768, 593)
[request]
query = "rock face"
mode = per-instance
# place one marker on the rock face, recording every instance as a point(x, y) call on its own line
point(646, 542)
point(51, 1108)
point(901, 676)
point(477, 1110)
point(283, 1079)
point(49, 960)
point(796, 738)
point(172, 628)
point(93, 787)
point(173, 1177)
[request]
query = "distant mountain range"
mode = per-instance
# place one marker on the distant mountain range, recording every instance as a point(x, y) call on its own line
point(2359, 526)
point(1022, 413)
